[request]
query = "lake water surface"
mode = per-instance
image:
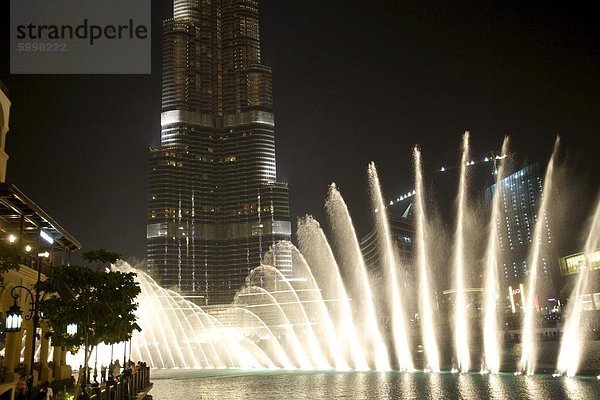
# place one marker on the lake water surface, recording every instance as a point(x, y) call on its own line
point(267, 385)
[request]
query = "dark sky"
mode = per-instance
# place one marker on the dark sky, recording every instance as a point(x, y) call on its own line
point(354, 82)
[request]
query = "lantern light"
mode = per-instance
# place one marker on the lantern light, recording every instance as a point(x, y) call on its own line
point(72, 329)
point(14, 318)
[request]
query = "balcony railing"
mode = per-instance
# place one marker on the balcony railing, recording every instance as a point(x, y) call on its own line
point(126, 389)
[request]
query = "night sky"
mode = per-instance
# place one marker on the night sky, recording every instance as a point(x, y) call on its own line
point(354, 82)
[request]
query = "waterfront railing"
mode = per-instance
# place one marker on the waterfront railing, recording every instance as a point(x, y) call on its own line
point(130, 386)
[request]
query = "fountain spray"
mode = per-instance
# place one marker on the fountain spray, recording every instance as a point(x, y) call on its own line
point(573, 338)
point(425, 309)
point(529, 342)
point(461, 319)
point(366, 317)
point(491, 344)
point(399, 327)
point(318, 253)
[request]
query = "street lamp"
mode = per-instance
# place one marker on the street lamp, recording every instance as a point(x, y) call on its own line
point(14, 318)
point(72, 329)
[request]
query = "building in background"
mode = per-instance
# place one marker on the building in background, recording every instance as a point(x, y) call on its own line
point(4, 116)
point(215, 206)
point(40, 242)
point(402, 231)
point(570, 268)
point(521, 196)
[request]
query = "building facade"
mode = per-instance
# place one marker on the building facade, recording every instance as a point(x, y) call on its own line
point(402, 234)
point(215, 206)
point(570, 268)
point(39, 243)
point(521, 195)
point(4, 116)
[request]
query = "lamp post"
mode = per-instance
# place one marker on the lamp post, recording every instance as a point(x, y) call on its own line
point(14, 318)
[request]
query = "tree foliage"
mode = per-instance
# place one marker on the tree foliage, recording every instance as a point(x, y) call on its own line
point(101, 303)
point(9, 257)
point(101, 257)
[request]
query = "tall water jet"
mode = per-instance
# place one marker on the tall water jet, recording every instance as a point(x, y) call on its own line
point(425, 309)
point(573, 335)
point(461, 324)
point(315, 248)
point(529, 342)
point(491, 344)
point(360, 288)
point(399, 326)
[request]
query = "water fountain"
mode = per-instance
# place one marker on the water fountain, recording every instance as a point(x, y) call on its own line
point(461, 326)
point(491, 342)
point(428, 334)
point(331, 315)
point(393, 295)
point(357, 278)
point(528, 355)
point(573, 336)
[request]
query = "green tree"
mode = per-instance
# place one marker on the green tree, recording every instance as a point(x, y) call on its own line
point(9, 258)
point(101, 303)
point(101, 257)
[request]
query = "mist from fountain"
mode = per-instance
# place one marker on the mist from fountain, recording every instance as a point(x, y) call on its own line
point(572, 341)
point(491, 342)
point(461, 319)
point(390, 265)
point(528, 355)
point(428, 335)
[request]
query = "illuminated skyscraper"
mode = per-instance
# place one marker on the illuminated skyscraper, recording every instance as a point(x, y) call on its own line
point(215, 206)
point(521, 195)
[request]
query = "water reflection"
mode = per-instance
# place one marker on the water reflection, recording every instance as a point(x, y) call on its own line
point(497, 387)
point(469, 388)
point(408, 386)
point(272, 385)
point(578, 389)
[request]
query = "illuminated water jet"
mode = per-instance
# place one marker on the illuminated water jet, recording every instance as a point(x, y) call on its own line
point(573, 335)
point(528, 356)
point(461, 327)
point(358, 279)
point(428, 335)
point(491, 343)
point(394, 297)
